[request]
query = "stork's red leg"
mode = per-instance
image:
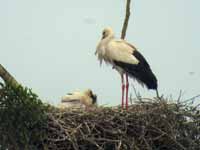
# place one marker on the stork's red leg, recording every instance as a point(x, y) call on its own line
point(123, 86)
point(127, 86)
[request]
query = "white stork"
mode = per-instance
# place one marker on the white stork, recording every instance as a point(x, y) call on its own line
point(126, 59)
point(75, 99)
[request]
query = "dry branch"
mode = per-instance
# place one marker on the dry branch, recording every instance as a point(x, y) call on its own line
point(126, 19)
point(7, 77)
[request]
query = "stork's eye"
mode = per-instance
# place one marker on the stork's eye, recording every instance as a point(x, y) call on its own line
point(104, 33)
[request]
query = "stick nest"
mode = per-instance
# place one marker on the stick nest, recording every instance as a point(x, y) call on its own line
point(147, 125)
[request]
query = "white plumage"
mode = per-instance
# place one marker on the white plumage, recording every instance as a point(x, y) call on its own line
point(110, 49)
point(126, 59)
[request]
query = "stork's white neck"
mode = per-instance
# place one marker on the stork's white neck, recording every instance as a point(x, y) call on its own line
point(107, 39)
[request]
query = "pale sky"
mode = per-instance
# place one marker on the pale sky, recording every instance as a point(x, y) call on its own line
point(49, 45)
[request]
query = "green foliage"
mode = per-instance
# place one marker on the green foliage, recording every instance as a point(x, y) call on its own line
point(23, 118)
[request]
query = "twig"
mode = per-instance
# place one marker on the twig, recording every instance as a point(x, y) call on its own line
point(185, 101)
point(138, 96)
point(176, 142)
point(119, 145)
point(179, 97)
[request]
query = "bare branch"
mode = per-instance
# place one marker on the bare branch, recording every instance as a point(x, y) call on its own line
point(125, 25)
point(7, 77)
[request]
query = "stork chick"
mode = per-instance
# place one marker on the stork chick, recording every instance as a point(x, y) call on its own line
point(79, 98)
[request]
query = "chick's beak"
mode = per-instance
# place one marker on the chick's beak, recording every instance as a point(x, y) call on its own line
point(94, 98)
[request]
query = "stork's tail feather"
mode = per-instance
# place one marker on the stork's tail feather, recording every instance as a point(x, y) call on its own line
point(142, 73)
point(152, 83)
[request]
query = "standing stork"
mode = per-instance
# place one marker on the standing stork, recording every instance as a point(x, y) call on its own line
point(126, 59)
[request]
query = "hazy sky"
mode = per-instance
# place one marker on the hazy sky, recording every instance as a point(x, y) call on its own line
point(49, 45)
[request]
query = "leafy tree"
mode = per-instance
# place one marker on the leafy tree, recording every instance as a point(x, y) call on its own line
point(23, 118)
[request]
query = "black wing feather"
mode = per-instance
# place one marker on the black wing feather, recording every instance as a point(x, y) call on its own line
point(142, 71)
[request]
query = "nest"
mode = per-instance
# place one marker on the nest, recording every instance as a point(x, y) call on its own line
point(145, 125)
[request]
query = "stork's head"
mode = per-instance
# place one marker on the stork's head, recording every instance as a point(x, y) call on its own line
point(107, 32)
point(92, 95)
